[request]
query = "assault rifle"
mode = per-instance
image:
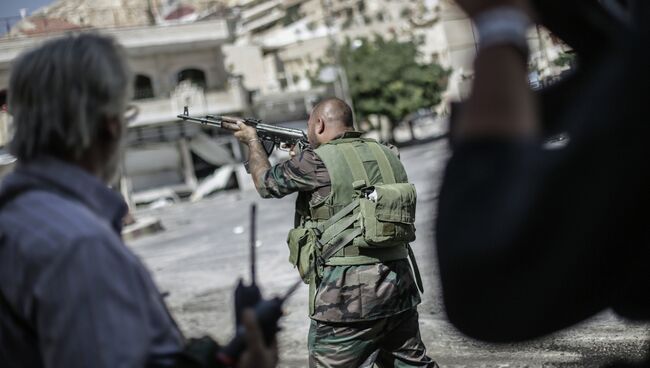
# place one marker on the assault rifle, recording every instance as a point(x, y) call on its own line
point(270, 135)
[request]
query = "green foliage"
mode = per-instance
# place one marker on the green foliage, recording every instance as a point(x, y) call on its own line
point(565, 59)
point(386, 79)
point(292, 15)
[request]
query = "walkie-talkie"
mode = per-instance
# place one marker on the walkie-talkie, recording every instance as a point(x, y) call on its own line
point(267, 312)
point(248, 296)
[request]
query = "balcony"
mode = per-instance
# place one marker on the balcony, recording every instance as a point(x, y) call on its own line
point(269, 18)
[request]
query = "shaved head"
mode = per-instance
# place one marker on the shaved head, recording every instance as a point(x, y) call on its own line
point(334, 111)
point(328, 120)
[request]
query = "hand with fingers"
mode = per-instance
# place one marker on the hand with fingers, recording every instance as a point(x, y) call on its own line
point(257, 354)
point(292, 151)
point(245, 133)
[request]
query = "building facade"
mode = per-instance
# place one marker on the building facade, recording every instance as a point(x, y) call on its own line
point(245, 57)
point(174, 65)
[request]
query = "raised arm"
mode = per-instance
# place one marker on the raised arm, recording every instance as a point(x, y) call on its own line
point(258, 161)
point(501, 103)
point(304, 171)
point(531, 241)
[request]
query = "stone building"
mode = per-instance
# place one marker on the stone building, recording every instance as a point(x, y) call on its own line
point(295, 35)
point(243, 57)
point(174, 65)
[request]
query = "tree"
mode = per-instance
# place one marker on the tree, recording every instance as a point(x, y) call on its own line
point(565, 59)
point(385, 78)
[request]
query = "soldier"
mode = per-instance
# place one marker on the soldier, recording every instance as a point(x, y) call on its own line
point(362, 299)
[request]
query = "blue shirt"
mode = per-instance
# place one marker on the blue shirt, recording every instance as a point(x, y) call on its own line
point(87, 300)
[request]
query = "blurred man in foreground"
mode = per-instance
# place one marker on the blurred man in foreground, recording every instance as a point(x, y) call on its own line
point(530, 241)
point(71, 293)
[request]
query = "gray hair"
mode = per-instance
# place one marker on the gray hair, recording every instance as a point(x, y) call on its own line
point(61, 93)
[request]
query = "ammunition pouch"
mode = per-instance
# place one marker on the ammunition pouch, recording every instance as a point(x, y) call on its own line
point(387, 215)
point(304, 251)
point(381, 217)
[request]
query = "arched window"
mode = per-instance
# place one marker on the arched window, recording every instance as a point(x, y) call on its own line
point(143, 88)
point(195, 76)
point(3, 100)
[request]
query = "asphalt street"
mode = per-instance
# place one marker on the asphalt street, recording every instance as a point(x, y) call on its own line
point(204, 250)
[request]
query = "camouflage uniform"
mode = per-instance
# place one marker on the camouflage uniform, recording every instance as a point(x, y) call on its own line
point(362, 313)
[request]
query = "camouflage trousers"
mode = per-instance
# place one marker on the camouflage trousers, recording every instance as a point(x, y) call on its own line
point(389, 342)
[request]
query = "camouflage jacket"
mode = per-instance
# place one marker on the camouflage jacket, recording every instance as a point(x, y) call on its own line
point(345, 293)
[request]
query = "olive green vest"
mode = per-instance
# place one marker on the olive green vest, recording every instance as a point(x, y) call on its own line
point(353, 162)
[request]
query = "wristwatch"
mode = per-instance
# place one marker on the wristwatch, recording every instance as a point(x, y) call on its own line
point(503, 26)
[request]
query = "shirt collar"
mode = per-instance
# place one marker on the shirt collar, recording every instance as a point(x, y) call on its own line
point(350, 134)
point(79, 184)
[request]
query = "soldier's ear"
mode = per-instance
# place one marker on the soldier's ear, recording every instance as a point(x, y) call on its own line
point(320, 126)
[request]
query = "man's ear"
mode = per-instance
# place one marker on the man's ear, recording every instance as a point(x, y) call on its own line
point(320, 126)
point(113, 127)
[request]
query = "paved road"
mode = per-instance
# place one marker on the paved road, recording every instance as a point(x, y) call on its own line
point(203, 251)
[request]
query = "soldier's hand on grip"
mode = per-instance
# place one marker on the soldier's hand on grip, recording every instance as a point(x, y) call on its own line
point(245, 133)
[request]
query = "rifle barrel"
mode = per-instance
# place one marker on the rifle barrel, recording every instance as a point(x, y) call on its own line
point(204, 121)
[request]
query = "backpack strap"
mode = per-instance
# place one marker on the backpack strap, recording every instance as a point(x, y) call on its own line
point(353, 160)
point(384, 166)
point(332, 236)
point(337, 217)
point(416, 269)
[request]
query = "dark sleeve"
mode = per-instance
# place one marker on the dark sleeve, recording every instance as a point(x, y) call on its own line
point(97, 307)
point(303, 172)
point(531, 241)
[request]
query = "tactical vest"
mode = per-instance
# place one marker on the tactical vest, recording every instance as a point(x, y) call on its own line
point(357, 168)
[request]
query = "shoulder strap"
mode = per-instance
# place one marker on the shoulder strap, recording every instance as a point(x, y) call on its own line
point(384, 166)
point(416, 269)
point(331, 235)
point(353, 160)
point(337, 217)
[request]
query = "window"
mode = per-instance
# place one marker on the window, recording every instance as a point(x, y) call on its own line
point(143, 88)
point(3, 100)
point(195, 76)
